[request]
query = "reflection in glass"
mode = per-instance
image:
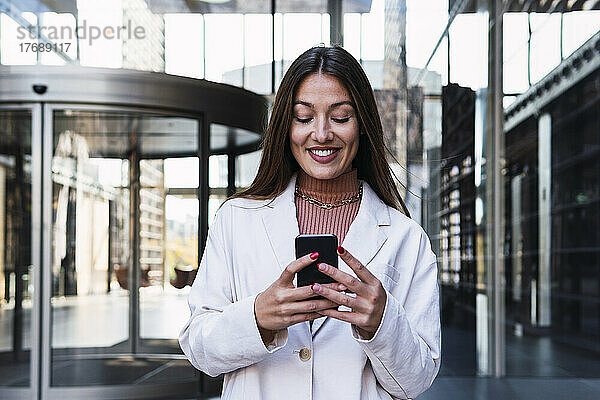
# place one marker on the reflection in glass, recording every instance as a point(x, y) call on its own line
point(457, 230)
point(16, 279)
point(553, 209)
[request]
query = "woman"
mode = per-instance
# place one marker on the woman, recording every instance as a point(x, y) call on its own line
point(323, 170)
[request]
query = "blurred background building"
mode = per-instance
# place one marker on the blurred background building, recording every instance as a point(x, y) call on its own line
point(124, 124)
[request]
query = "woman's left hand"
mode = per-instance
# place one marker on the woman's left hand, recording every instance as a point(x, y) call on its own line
point(369, 303)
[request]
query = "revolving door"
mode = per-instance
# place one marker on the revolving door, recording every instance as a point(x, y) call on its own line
point(104, 196)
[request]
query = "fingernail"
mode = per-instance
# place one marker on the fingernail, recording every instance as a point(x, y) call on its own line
point(315, 287)
point(342, 287)
point(314, 255)
point(341, 250)
point(322, 267)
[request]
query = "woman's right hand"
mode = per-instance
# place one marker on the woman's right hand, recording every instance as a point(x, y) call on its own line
point(282, 304)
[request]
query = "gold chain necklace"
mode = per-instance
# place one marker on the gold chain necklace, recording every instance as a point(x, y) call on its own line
point(329, 206)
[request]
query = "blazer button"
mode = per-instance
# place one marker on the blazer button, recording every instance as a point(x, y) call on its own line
point(304, 354)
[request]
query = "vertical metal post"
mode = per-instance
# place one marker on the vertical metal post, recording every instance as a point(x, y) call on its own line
point(336, 21)
point(360, 44)
point(243, 50)
point(563, 8)
point(1, 10)
point(562, 26)
point(133, 273)
point(528, 49)
point(46, 262)
point(495, 188)
point(448, 57)
point(18, 241)
point(203, 46)
point(203, 188)
point(230, 173)
point(230, 161)
point(544, 281)
point(448, 47)
point(516, 236)
point(203, 195)
point(36, 251)
point(273, 46)
point(77, 43)
point(111, 217)
point(483, 293)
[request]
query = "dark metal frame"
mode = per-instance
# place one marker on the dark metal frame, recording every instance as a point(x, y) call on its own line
point(32, 391)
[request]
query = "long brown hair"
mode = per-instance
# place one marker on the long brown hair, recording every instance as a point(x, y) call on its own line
point(277, 163)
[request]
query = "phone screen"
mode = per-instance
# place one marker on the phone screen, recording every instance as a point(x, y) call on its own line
point(326, 246)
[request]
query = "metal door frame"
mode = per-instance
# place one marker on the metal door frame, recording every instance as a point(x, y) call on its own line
point(36, 176)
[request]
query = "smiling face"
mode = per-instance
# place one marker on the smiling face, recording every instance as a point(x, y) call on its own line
point(324, 134)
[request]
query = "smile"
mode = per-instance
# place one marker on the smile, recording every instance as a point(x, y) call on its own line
point(323, 155)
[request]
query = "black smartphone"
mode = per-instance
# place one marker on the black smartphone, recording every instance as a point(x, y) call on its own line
point(326, 246)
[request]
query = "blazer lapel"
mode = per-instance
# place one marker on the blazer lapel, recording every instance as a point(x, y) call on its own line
point(281, 225)
point(365, 236)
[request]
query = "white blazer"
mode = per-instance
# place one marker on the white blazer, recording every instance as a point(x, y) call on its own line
point(249, 244)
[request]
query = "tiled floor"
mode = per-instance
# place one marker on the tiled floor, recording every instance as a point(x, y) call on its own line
point(471, 388)
point(526, 356)
point(455, 388)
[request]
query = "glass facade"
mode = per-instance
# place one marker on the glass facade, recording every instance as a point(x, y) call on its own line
point(517, 237)
point(490, 110)
point(552, 269)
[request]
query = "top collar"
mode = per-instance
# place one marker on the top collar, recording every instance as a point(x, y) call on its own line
point(328, 190)
point(374, 208)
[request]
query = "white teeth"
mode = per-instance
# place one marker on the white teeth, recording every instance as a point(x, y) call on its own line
point(322, 153)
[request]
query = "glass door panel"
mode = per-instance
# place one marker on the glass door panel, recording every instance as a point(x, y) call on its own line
point(90, 246)
point(115, 314)
point(16, 278)
point(168, 248)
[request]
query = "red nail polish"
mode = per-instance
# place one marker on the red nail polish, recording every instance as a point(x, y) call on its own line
point(312, 286)
point(314, 255)
point(341, 250)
